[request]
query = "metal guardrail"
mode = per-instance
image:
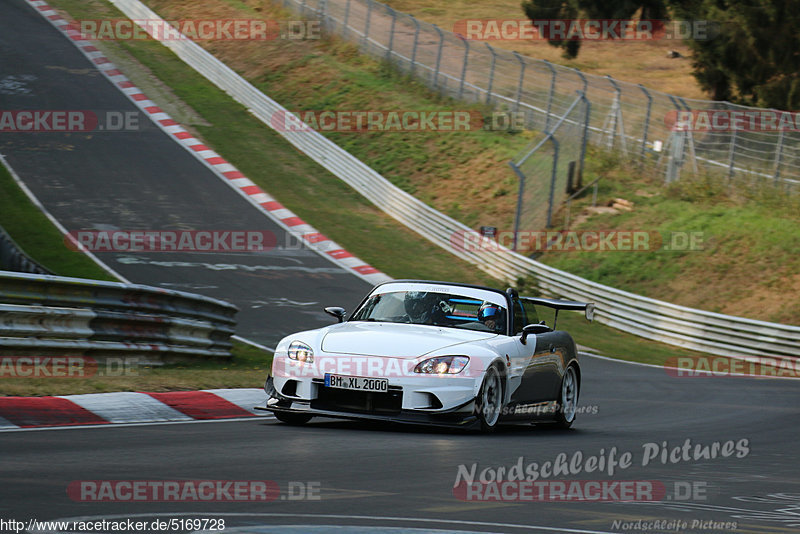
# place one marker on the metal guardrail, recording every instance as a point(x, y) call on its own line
point(677, 325)
point(46, 314)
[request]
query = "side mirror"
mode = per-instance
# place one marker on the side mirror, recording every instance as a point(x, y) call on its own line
point(590, 312)
point(336, 311)
point(533, 329)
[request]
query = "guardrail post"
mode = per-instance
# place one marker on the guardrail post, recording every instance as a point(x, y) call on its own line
point(303, 8)
point(438, 56)
point(521, 78)
point(416, 41)
point(491, 73)
point(550, 96)
point(393, 13)
point(776, 173)
point(646, 126)
point(463, 67)
point(366, 25)
point(345, 26)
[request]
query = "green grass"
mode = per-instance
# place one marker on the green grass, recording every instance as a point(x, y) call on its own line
point(318, 197)
point(36, 235)
point(247, 369)
point(746, 261)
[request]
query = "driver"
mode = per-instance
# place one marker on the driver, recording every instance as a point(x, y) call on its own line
point(492, 316)
point(420, 306)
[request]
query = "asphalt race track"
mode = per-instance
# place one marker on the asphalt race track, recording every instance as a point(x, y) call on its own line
point(386, 476)
point(143, 180)
point(340, 476)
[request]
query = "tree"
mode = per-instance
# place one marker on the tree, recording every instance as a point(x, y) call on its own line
point(754, 58)
point(591, 9)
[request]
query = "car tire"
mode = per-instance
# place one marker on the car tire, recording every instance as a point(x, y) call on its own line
point(489, 403)
point(568, 400)
point(295, 419)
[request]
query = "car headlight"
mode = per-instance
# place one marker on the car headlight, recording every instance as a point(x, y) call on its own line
point(442, 365)
point(301, 352)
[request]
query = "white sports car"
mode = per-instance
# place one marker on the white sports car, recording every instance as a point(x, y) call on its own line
point(431, 353)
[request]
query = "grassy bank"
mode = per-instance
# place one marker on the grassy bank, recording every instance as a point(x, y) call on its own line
point(743, 260)
point(247, 369)
point(36, 235)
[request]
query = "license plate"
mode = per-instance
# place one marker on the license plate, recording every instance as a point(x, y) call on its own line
point(357, 383)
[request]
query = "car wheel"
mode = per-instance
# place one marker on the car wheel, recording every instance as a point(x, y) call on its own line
point(489, 403)
point(568, 406)
point(293, 418)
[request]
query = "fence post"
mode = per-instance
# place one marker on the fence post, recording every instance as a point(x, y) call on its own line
point(366, 24)
point(345, 27)
point(464, 66)
point(675, 158)
point(550, 96)
point(615, 115)
point(690, 136)
point(553, 172)
point(521, 78)
point(393, 13)
point(731, 154)
point(776, 174)
point(584, 91)
point(584, 80)
point(586, 118)
point(646, 123)
point(675, 142)
point(520, 192)
point(416, 40)
point(438, 55)
point(303, 8)
point(491, 73)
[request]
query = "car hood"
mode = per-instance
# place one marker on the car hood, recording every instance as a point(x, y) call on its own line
point(394, 340)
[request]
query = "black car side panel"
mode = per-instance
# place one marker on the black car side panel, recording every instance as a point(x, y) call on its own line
point(541, 381)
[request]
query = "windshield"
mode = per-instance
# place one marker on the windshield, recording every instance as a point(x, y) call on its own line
point(432, 308)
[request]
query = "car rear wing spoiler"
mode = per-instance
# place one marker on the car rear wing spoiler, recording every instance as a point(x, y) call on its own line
point(558, 304)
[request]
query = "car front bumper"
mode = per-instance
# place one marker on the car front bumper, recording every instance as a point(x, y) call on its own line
point(461, 415)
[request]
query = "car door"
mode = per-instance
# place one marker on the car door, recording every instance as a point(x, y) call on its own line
point(541, 359)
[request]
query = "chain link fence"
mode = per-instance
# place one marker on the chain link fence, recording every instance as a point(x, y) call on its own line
point(551, 167)
point(628, 118)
